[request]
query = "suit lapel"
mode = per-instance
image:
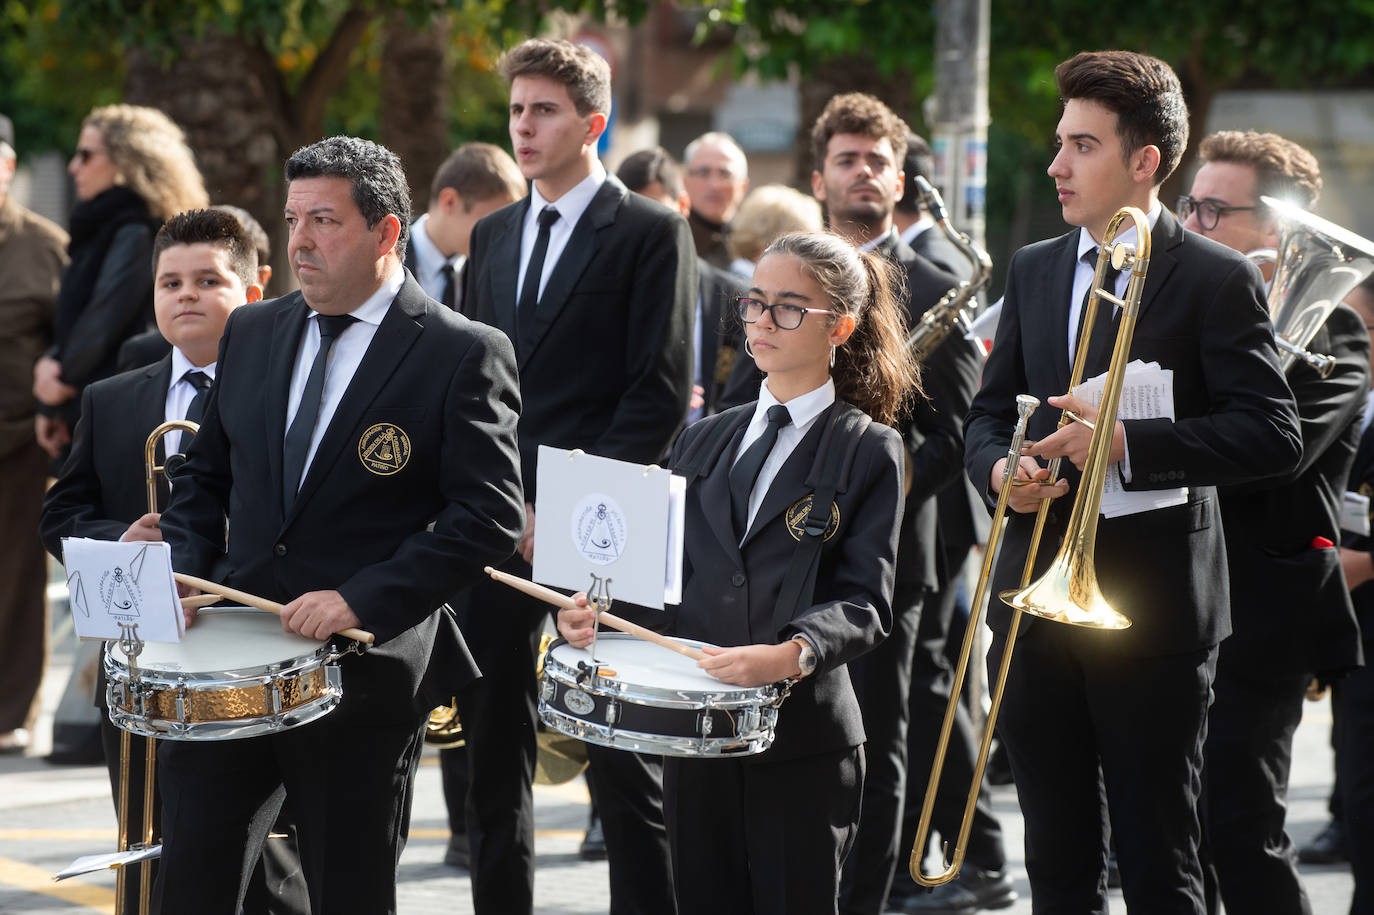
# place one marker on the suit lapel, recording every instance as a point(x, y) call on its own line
point(582, 246)
point(715, 492)
point(791, 483)
point(281, 359)
point(396, 334)
point(1166, 237)
point(505, 269)
point(1058, 286)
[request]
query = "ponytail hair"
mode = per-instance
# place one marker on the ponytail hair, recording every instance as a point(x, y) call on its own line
point(874, 369)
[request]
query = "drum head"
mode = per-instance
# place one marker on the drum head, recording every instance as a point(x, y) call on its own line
point(637, 661)
point(224, 642)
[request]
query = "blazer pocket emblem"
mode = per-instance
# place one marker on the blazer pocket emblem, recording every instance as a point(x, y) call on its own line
point(384, 449)
point(796, 518)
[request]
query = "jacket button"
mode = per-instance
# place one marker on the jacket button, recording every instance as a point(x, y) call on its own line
point(737, 579)
point(279, 549)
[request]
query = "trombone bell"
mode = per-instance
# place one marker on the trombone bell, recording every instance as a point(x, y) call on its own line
point(1067, 593)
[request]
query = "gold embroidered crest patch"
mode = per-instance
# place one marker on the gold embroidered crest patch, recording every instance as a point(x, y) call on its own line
point(384, 449)
point(796, 518)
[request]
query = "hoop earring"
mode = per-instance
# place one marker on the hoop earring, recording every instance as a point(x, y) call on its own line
point(747, 348)
point(832, 357)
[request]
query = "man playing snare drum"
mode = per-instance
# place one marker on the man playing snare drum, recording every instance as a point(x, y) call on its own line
point(320, 522)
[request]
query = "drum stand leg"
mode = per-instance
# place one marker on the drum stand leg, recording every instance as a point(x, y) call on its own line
point(132, 646)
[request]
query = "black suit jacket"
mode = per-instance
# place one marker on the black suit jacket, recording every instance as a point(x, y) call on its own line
point(943, 253)
point(395, 545)
point(730, 589)
point(608, 368)
point(1289, 603)
point(101, 490)
point(1203, 315)
point(1362, 481)
point(721, 331)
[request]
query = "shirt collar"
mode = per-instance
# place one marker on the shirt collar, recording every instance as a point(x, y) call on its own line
point(916, 228)
point(803, 408)
point(1086, 243)
point(574, 203)
point(181, 365)
point(873, 243)
point(374, 308)
point(429, 260)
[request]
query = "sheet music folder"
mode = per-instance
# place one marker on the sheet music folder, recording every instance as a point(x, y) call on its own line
point(614, 519)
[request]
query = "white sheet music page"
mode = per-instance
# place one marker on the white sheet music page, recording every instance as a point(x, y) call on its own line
point(1146, 393)
point(614, 519)
point(112, 582)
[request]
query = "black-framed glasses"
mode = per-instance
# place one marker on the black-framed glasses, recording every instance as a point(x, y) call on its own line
point(784, 315)
point(1208, 211)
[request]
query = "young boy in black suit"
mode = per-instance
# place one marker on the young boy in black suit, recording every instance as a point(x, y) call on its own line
point(1115, 720)
point(204, 266)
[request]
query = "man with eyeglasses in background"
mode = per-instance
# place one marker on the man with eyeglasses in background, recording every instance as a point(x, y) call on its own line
point(716, 181)
point(1291, 613)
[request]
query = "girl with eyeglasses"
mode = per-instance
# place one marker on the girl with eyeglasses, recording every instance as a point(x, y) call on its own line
point(769, 833)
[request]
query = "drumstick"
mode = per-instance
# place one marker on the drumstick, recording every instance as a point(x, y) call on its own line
point(195, 602)
point(261, 603)
point(610, 619)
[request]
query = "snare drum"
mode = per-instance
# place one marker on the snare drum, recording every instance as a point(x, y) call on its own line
point(647, 699)
point(235, 673)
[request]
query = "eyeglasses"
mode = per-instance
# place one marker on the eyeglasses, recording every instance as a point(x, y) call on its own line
point(1208, 211)
point(786, 317)
point(84, 155)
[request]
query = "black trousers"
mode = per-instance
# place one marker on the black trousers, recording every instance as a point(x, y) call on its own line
point(276, 885)
point(882, 683)
point(349, 780)
point(931, 679)
point(627, 789)
point(759, 838)
point(1355, 709)
point(1087, 728)
point(1250, 863)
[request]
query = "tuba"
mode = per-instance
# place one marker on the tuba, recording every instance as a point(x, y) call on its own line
point(1317, 263)
point(949, 312)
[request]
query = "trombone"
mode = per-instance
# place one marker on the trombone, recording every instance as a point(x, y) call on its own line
point(151, 468)
point(1068, 591)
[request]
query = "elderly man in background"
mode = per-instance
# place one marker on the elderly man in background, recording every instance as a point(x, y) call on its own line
point(717, 178)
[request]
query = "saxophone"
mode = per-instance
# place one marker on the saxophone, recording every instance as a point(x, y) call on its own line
point(948, 313)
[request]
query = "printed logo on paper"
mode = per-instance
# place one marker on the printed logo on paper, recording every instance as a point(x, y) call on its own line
point(598, 529)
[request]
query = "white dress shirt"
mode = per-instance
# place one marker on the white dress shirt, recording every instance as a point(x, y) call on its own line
point(430, 262)
point(180, 393)
point(916, 228)
point(804, 408)
point(348, 351)
point(1083, 278)
point(570, 208)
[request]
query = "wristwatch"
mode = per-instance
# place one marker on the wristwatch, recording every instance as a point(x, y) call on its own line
point(806, 661)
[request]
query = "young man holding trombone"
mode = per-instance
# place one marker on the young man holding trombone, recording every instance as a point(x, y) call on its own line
point(1116, 719)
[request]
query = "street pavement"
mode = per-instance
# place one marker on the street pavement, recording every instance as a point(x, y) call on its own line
point(49, 815)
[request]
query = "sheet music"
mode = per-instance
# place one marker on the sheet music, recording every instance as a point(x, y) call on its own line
point(1147, 392)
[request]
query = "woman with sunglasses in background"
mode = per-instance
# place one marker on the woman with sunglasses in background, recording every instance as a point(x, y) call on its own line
point(801, 471)
point(132, 171)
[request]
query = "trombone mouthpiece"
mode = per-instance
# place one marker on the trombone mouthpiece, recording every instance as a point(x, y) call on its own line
point(1026, 404)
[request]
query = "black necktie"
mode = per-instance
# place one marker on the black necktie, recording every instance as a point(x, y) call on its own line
point(195, 411)
point(448, 297)
point(529, 292)
point(1106, 324)
point(303, 426)
point(746, 470)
